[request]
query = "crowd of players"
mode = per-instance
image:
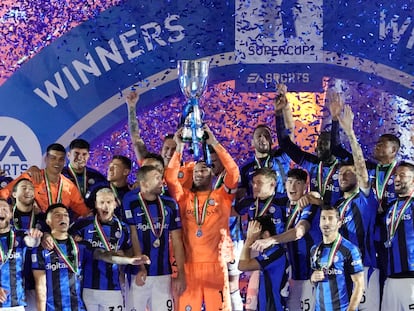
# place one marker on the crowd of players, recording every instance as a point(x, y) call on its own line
point(324, 231)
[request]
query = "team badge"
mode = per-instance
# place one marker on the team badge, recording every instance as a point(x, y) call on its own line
point(16, 243)
point(272, 209)
point(390, 182)
point(91, 181)
point(3, 184)
point(118, 234)
point(87, 195)
point(188, 308)
point(336, 258)
point(335, 177)
point(211, 202)
point(180, 174)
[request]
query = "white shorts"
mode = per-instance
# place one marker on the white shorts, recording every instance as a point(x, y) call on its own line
point(19, 308)
point(233, 266)
point(301, 295)
point(398, 295)
point(102, 300)
point(371, 298)
point(155, 294)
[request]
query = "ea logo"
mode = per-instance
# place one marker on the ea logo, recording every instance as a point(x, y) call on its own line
point(19, 147)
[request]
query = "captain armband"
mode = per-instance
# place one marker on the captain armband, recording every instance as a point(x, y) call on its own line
point(230, 191)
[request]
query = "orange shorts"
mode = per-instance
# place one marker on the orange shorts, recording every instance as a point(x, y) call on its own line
point(205, 282)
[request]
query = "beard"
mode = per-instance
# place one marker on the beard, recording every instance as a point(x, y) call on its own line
point(347, 188)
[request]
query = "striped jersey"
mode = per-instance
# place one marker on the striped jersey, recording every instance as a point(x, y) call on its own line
point(401, 250)
point(161, 214)
point(358, 223)
point(116, 236)
point(299, 250)
point(63, 286)
point(273, 283)
point(334, 292)
point(11, 274)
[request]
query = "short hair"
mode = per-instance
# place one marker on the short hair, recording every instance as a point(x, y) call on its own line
point(55, 206)
point(18, 183)
point(267, 224)
point(168, 136)
point(325, 135)
point(155, 156)
point(144, 170)
point(327, 207)
point(125, 160)
point(407, 164)
point(298, 174)
point(5, 200)
point(392, 138)
point(79, 143)
point(105, 190)
point(56, 147)
point(265, 171)
point(346, 162)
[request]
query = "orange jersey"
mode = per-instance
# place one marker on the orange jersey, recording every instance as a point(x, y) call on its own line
point(70, 197)
point(204, 248)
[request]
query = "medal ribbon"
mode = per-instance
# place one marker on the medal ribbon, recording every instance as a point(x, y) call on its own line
point(220, 180)
point(334, 248)
point(380, 188)
point(292, 216)
point(199, 221)
point(73, 266)
point(344, 206)
point(82, 190)
point(3, 256)
point(265, 206)
point(322, 183)
point(396, 219)
point(49, 191)
point(31, 222)
point(162, 212)
point(118, 201)
point(257, 161)
point(101, 233)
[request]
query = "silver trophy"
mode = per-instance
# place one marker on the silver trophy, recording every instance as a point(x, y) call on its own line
point(192, 75)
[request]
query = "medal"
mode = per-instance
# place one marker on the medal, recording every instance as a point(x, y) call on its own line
point(5, 254)
point(161, 211)
point(200, 219)
point(73, 266)
point(79, 185)
point(156, 243)
point(388, 243)
point(396, 218)
point(49, 190)
point(199, 233)
point(103, 237)
point(258, 212)
point(323, 182)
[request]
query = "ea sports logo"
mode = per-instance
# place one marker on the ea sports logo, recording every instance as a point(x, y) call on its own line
point(19, 147)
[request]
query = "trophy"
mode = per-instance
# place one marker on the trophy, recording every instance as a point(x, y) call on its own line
point(192, 75)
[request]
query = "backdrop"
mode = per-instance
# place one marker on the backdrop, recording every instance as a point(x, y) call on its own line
point(66, 67)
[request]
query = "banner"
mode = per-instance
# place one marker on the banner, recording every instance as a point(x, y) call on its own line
point(76, 85)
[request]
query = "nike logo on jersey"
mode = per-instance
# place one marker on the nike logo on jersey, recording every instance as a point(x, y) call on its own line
point(252, 208)
point(140, 214)
point(91, 231)
point(49, 253)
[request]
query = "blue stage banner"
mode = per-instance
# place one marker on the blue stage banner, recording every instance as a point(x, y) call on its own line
point(76, 86)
